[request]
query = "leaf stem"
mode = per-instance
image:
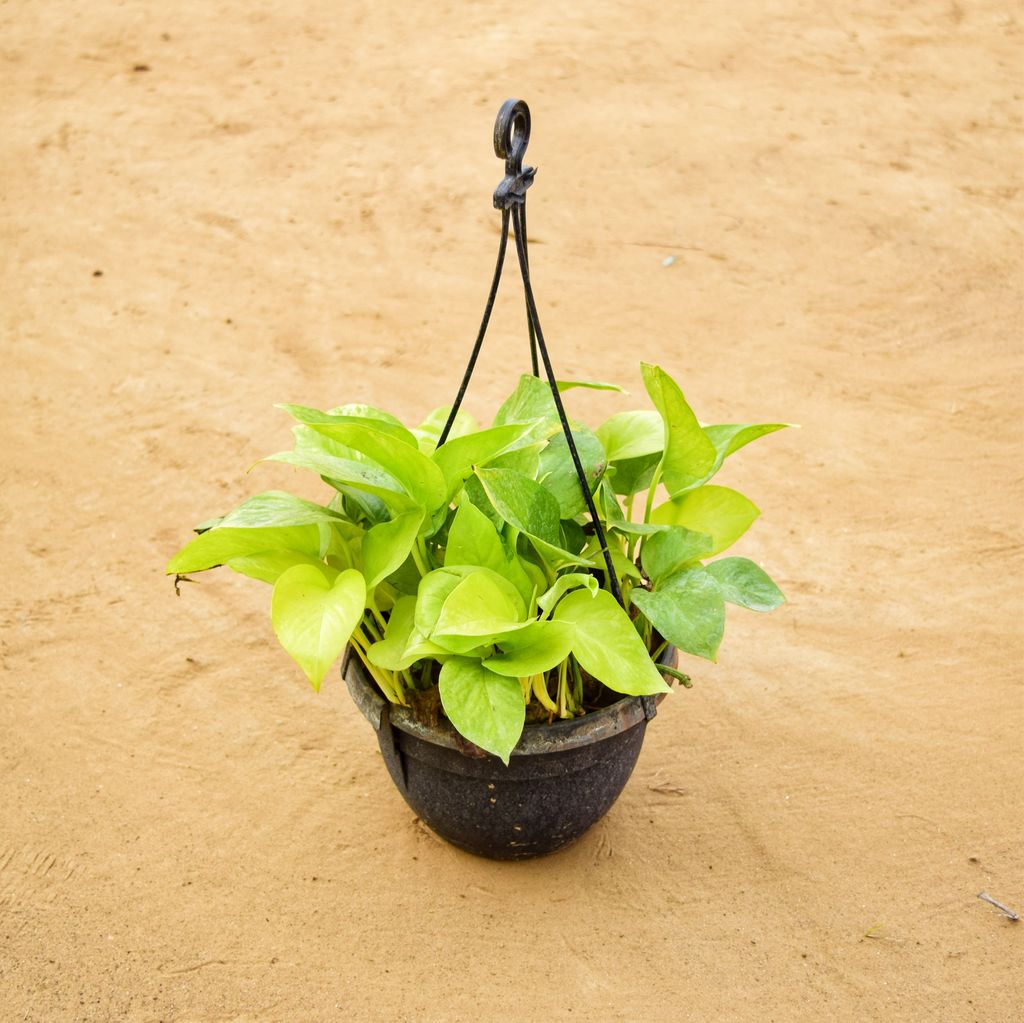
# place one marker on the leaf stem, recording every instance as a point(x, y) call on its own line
point(419, 556)
point(655, 480)
point(564, 708)
point(648, 505)
point(549, 573)
point(684, 680)
point(378, 617)
point(390, 684)
point(540, 690)
point(577, 693)
point(371, 627)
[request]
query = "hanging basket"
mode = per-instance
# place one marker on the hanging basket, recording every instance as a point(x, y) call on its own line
point(469, 572)
point(564, 776)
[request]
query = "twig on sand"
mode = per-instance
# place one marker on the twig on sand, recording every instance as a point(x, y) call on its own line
point(1005, 909)
point(178, 580)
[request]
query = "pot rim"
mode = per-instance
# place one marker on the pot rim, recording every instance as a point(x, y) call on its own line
point(536, 738)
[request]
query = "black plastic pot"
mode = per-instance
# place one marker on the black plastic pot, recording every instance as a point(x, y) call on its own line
point(562, 778)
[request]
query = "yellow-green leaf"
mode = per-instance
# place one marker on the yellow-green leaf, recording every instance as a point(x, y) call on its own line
point(689, 454)
point(534, 649)
point(723, 514)
point(687, 609)
point(387, 545)
point(485, 707)
point(314, 616)
point(607, 645)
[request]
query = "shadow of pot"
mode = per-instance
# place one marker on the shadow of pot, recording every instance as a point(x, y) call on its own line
point(561, 780)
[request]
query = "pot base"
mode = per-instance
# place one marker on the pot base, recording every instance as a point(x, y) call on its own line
point(561, 779)
point(536, 805)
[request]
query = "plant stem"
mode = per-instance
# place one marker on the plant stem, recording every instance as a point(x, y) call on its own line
point(526, 684)
point(655, 480)
point(540, 690)
point(419, 556)
point(577, 694)
point(550, 574)
point(564, 709)
point(390, 684)
point(371, 627)
point(648, 505)
point(684, 680)
point(378, 617)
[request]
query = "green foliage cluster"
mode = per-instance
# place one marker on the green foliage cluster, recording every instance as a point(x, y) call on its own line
point(471, 570)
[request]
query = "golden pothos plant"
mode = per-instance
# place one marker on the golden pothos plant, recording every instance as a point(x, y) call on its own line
point(469, 575)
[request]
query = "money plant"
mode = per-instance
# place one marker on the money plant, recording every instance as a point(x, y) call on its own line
point(468, 577)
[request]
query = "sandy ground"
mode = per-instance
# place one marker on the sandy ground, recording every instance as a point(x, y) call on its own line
point(211, 208)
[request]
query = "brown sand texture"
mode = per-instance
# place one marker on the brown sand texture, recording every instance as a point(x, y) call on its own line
point(210, 208)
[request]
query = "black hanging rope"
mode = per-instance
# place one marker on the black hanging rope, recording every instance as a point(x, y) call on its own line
point(529, 318)
point(478, 344)
point(511, 136)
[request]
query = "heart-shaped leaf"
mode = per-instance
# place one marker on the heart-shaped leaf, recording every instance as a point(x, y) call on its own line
point(529, 402)
point(522, 503)
point(386, 546)
point(687, 610)
point(403, 644)
point(353, 415)
point(668, 551)
point(557, 471)
point(314, 615)
point(339, 467)
point(482, 607)
point(276, 508)
point(473, 540)
point(536, 648)
point(728, 438)
point(378, 419)
point(530, 508)
point(485, 707)
point(607, 645)
point(434, 589)
point(417, 474)
point(524, 459)
point(744, 583)
point(268, 566)
point(428, 433)
point(723, 514)
point(628, 435)
point(457, 456)
point(689, 454)
point(219, 546)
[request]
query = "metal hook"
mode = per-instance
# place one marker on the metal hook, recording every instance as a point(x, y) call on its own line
point(511, 137)
point(512, 134)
